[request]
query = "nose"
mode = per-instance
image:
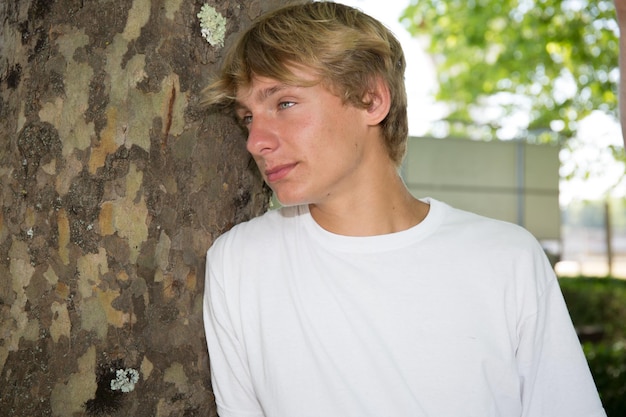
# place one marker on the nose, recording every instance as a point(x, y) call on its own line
point(261, 138)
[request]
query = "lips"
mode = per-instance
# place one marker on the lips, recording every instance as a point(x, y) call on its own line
point(279, 172)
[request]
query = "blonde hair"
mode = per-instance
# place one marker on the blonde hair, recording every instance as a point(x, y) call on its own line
point(347, 49)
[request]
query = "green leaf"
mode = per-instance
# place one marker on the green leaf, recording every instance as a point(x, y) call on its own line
point(559, 55)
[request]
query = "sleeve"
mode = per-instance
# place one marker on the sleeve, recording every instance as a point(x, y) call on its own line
point(555, 377)
point(230, 376)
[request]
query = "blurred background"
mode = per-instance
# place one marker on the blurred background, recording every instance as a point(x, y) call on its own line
point(541, 74)
point(513, 114)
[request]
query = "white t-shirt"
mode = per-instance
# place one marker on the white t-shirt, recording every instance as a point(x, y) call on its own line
point(458, 316)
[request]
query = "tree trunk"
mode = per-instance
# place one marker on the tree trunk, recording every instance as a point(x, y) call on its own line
point(114, 184)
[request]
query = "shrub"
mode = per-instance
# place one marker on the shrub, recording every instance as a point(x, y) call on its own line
point(598, 309)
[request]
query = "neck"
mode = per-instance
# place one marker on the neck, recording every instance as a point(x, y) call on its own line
point(386, 206)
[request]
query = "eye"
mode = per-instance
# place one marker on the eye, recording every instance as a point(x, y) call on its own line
point(285, 104)
point(243, 115)
point(244, 119)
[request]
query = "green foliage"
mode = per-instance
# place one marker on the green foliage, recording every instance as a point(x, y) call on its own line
point(600, 303)
point(618, 214)
point(587, 213)
point(608, 366)
point(583, 214)
point(597, 302)
point(555, 60)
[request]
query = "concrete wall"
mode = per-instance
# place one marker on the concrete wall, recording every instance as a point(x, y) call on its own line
point(507, 180)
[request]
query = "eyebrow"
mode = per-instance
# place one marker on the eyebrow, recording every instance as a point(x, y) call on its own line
point(268, 92)
point(262, 95)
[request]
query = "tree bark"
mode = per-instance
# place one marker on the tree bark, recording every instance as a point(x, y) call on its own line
point(114, 184)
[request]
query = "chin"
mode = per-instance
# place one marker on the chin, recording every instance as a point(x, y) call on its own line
point(286, 200)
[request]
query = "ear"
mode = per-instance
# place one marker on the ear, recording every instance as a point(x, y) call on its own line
point(379, 99)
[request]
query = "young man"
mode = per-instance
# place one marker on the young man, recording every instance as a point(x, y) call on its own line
point(356, 299)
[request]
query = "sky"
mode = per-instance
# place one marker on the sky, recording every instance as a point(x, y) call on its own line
point(589, 149)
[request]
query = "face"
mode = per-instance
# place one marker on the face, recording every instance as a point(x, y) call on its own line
point(309, 146)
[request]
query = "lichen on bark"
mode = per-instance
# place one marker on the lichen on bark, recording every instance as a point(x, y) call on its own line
point(114, 184)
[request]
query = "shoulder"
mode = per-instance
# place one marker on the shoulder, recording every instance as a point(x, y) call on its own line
point(260, 232)
point(506, 250)
point(481, 237)
point(465, 224)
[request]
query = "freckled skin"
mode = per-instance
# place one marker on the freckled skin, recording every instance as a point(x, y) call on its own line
point(312, 148)
point(311, 137)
